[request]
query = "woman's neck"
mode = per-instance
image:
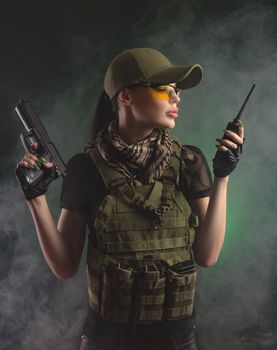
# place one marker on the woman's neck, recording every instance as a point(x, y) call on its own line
point(132, 132)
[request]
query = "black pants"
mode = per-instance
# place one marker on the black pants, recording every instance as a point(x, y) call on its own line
point(172, 343)
point(104, 335)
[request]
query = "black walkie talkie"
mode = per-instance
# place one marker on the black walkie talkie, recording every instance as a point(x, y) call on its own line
point(225, 162)
point(233, 126)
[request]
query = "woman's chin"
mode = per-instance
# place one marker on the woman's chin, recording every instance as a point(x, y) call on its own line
point(170, 124)
point(165, 124)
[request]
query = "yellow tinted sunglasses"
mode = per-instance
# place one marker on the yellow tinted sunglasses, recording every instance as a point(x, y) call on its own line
point(167, 89)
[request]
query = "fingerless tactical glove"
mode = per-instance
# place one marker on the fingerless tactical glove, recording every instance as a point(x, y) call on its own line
point(32, 189)
point(225, 162)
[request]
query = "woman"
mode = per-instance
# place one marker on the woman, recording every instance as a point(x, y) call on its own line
point(151, 207)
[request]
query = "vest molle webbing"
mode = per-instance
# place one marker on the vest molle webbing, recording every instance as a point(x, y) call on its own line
point(143, 268)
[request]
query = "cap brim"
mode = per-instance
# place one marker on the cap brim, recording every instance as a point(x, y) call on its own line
point(185, 77)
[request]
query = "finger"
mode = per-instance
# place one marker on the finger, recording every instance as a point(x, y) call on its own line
point(239, 122)
point(24, 164)
point(227, 143)
point(222, 148)
point(234, 136)
point(31, 156)
point(47, 165)
point(241, 132)
point(31, 162)
point(240, 128)
point(38, 161)
point(34, 145)
point(28, 163)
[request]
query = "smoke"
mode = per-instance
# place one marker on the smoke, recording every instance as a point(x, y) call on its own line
point(236, 46)
point(237, 49)
point(37, 310)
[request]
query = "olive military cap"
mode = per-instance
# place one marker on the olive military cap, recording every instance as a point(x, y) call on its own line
point(146, 65)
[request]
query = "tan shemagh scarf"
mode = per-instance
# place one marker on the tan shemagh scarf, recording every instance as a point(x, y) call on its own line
point(141, 162)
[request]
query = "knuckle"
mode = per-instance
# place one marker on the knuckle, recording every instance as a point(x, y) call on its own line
point(227, 142)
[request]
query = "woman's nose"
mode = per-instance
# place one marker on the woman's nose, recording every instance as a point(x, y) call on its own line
point(174, 98)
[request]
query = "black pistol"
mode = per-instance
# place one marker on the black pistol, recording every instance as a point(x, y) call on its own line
point(35, 132)
point(233, 125)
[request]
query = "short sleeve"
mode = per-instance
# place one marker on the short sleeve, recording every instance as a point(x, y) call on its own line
point(77, 186)
point(195, 179)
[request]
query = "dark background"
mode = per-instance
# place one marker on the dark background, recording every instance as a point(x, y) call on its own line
point(55, 53)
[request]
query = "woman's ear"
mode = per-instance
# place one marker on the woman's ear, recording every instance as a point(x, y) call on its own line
point(124, 97)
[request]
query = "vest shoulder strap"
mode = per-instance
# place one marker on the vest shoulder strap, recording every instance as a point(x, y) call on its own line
point(109, 175)
point(187, 153)
point(171, 173)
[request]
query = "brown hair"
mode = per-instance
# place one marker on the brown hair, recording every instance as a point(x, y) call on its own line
point(105, 112)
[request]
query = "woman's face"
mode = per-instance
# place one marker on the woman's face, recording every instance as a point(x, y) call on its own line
point(155, 107)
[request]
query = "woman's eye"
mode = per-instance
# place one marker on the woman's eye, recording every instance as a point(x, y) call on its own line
point(162, 89)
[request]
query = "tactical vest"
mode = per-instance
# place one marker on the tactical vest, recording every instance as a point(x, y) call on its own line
point(143, 269)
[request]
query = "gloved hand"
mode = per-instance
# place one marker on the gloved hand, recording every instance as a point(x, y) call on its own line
point(38, 188)
point(228, 153)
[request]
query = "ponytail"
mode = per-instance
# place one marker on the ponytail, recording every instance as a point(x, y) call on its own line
point(105, 112)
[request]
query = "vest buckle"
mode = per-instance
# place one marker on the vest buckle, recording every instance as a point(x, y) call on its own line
point(158, 211)
point(158, 224)
point(193, 220)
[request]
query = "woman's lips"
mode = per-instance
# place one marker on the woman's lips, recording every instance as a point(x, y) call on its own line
point(172, 114)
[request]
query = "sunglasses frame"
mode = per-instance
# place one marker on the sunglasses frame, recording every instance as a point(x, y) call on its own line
point(156, 86)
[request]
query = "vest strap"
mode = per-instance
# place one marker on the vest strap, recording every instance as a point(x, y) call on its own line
point(149, 315)
point(133, 246)
point(145, 225)
point(179, 312)
point(135, 198)
point(151, 299)
point(96, 259)
point(180, 296)
point(167, 194)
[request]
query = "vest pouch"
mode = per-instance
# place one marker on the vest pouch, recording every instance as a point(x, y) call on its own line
point(179, 296)
point(94, 290)
point(149, 295)
point(116, 293)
